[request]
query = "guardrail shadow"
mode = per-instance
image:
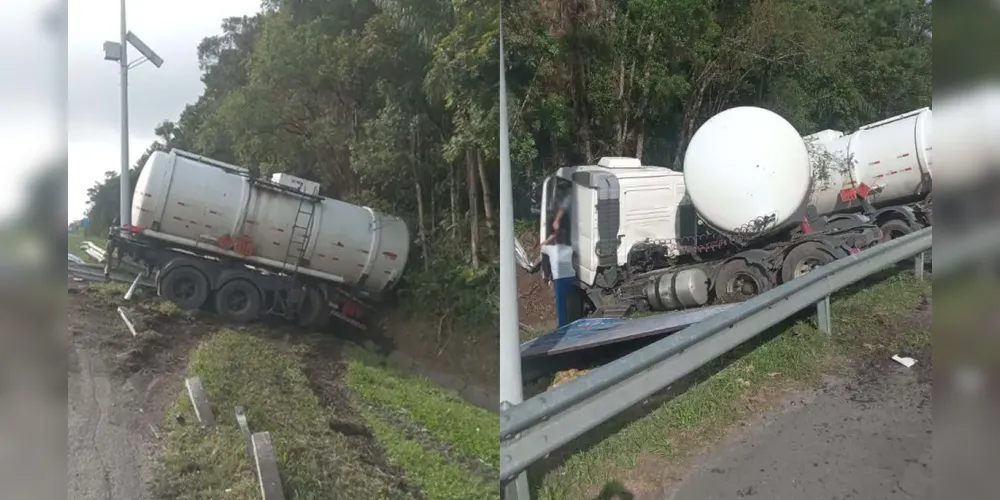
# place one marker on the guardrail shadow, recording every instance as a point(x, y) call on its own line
point(582, 361)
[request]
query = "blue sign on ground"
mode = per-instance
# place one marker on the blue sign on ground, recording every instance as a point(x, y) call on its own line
point(594, 332)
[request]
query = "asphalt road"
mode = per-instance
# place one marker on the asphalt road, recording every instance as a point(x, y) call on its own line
point(106, 459)
point(849, 440)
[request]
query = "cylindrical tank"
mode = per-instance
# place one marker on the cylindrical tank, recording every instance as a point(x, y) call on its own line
point(891, 162)
point(745, 165)
point(182, 200)
point(677, 290)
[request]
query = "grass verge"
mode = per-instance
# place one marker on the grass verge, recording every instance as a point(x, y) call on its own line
point(76, 239)
point(655, 440)
point(238, 368)
point(447, 447)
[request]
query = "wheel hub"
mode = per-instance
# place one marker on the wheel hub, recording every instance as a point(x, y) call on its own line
point(743, 283)
point(184, 289)
point(237, 301)
point(805, 266)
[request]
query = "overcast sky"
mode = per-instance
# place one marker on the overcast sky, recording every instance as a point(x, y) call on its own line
point(28, 118)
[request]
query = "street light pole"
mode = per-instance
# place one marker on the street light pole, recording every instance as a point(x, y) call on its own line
point(125, 216)
point(511, 386)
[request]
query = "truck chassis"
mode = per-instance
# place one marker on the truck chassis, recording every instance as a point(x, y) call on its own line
point(734, 277)
point(240, 293)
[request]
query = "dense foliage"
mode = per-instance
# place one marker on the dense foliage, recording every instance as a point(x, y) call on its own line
point(393, 103)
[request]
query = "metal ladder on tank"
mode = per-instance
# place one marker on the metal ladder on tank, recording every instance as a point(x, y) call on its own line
point(295, 251)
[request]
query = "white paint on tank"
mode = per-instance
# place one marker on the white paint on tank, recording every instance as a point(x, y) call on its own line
point(190, 201)
point(892, 157)
point(745, 163)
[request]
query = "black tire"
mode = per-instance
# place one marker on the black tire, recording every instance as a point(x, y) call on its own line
point(893, 229)
point(238, 301)
point(314, 311)
point(804, 258)
point(739, 280)
point(185, 286)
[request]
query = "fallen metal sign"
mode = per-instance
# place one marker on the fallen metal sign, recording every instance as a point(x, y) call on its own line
point(588, 333)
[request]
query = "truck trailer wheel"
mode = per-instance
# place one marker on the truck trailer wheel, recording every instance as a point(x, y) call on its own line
point(893, 229)
point(238, 301)
point(314, 311)
point(739, 279)
point(802, 259)
point(185, 286)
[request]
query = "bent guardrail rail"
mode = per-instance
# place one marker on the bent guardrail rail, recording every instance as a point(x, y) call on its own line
point(546, 422)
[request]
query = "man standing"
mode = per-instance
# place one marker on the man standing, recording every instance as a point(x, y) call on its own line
point(557, 247)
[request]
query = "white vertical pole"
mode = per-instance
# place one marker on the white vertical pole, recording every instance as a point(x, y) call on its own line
point(511, 388)
point(126, 184)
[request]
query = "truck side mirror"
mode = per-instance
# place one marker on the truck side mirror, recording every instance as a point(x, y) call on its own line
point(536, 197)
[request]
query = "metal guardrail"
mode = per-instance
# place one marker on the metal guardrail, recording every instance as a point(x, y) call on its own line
point(96, 252)
point(546, 422)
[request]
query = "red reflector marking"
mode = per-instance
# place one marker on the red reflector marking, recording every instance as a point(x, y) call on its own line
point(148, 195)
point(275, 243)
point(250, 221)
point(193, 221)
point(389, 255)
point(213, 212)
point(208, 226)
point(908, 169)
point(321, 256)
point(178, 218)
point(339, 244)
point(244, 247)
point(364, 251)
point(181, 203)
point(879, 176)
point(904, 155)
point(875, 162)
point(334, 258)
point(278, 229)
point(894, 172)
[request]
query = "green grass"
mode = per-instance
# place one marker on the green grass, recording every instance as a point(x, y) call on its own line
point(240, 369)
point(733, 388)
point(74, 245)
point(862, 318)
point(110, 292)
point(437, 477)
point(459, 436)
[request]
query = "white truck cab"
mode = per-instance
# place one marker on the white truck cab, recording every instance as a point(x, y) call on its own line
point(615, 204)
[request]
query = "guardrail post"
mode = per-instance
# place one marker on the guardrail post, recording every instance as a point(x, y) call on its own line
point(823, 317)
point(517, 488)
point(918, 267)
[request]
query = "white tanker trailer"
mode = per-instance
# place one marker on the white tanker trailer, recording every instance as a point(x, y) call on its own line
point(756, 205)
point(216, 236)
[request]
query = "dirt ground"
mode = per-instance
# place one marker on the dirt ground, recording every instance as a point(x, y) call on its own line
point(536, 302)
point(120, 386)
